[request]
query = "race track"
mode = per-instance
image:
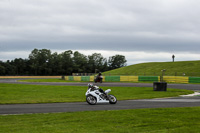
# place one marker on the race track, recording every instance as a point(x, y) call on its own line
point(83, 106)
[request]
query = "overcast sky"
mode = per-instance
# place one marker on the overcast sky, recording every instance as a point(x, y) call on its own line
point(142, 30)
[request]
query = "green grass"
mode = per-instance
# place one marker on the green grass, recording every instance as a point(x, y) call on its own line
point(16, 93)
point(46, 80)
point(163, 120)
point(60, 80)
point(190, 68)
point(21, 93)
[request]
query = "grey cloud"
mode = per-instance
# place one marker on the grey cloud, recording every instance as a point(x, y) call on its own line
point(112, 44)
point(145, 25)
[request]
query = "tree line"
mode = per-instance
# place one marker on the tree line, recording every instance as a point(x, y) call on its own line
point(44, 62)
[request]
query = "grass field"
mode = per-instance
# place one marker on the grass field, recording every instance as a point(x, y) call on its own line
point(190, 68)
point(46, 80)
point(170, 120)
point(16, 93)
point(163, 120)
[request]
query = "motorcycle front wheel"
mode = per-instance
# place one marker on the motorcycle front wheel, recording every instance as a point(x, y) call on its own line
point(91, 100)
point(112, 99)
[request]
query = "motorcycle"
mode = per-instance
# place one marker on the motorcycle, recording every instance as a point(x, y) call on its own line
point(98, 79)
point(96, 95)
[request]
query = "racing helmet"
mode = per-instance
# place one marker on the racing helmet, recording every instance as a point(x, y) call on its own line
point(90, 85)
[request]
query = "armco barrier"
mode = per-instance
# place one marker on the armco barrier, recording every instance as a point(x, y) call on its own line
point(194, 79)
point(148, 78)
point(77, 78)
point(112, 78)
point(85, 78)
point(176, 79)
point(129, 78)
point(169, 79)
point(91, 78)
point(71, 78)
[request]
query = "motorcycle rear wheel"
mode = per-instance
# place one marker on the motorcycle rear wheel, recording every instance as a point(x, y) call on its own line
point(112, 99)
point(91, 100)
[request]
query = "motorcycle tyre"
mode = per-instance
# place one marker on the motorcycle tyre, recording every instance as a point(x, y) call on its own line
point(91, 103)
point(110, 101)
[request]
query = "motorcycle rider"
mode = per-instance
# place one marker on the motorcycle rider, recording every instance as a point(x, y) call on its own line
point(95, 88)
point(99, 78)
point(99, 75)
point(91, 86)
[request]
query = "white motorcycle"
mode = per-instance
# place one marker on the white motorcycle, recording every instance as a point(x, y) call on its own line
point(96, 95)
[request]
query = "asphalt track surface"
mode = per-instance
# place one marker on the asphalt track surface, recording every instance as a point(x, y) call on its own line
point(83, 106)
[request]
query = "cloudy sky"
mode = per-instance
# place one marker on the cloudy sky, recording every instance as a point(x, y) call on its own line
point(142, 30)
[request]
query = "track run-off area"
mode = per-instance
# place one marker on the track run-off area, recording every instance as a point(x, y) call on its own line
point(187, 101)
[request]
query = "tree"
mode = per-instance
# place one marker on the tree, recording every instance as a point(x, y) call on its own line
point(10, 68)
point(55, 63)
point(96, 62)
point(80, 62)
point(20, 66)
point(39, 61)
point(2, 68)
point(116, 61)
point(43, 62)
point(66, 62)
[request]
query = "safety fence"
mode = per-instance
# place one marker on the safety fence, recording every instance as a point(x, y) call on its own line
point(168, 79)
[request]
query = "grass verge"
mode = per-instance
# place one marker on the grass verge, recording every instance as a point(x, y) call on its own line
point(46, 80)
point(21, 93)
point(163, 120)
point(60, 80)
